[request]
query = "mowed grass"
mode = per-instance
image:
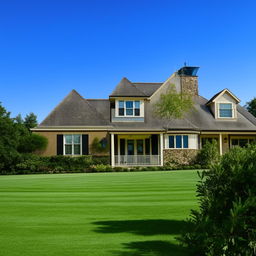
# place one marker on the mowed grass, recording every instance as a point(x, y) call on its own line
point(95, 214)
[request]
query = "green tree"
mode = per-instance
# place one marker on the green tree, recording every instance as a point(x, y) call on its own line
point(251, 106)
point(32, 143)
point(173, 105)
point(18, 119)
point(30, 120)
point(9, 139)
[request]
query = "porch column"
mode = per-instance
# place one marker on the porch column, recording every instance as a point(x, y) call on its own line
point(220, 143)
point(112, 150)
point(161, 150)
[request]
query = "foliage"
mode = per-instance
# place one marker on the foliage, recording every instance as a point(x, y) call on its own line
point(32, 142)
point(251, 106)
point(173, 104)
point(9, 139)
point(30, 121)
point(209, 154)
point(225, 223)
point(99, 146)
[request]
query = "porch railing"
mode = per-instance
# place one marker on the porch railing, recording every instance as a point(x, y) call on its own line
point(137, 160)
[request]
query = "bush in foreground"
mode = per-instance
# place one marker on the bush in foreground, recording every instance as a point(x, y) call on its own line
point(225, 224)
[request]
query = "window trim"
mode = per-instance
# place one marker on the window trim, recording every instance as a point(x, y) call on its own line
point(218, 110)
point(133, 108)
point(182, 141)
point(72, 145)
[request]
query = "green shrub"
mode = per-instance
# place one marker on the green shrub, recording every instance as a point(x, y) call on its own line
point(209, 154)
point(225, 223)
point(100, 160)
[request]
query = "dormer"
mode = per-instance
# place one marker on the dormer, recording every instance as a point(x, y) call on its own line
point(224, 105)
point(128, 100)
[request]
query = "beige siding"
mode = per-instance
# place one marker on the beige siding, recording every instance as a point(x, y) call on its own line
point(52, 139)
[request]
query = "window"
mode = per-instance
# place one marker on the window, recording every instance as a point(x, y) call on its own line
point(241, 142)
point(178, 141)
point(72, 144)
point(121, 108)
point(129, 108)
point(225, 110)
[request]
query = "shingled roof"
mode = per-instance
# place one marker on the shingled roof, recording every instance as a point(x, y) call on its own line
point(128, 89)
point(74, 110)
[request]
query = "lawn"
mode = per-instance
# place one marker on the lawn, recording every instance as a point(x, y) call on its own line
point(118, 214)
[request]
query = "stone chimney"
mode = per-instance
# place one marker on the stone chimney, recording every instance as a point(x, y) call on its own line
point(188, 80)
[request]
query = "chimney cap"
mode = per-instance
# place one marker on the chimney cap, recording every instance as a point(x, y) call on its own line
point(188, 71)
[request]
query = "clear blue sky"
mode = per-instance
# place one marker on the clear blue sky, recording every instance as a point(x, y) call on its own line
point(48, 48)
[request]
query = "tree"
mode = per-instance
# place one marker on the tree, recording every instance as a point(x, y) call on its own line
point(251, 106)
point(30, 120)
point(225, 222)
point(18, 119)
point(9, 139)
point(173, 105)
point(32, 143)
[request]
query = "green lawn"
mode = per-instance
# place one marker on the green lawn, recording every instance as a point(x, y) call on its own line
point(121, 214)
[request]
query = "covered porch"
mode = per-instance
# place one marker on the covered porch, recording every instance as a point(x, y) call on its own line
point(136, 149)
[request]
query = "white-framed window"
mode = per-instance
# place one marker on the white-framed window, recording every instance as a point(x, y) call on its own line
point(225, 110)
point(72, 144)
point(129, 108)
point(178, 141)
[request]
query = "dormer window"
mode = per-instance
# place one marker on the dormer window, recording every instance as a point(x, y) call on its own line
point(226, 110)
point(129, 108)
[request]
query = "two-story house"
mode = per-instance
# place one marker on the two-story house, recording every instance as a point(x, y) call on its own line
point(135, 135)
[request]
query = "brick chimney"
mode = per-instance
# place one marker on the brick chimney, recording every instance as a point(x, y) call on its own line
point(188, 80)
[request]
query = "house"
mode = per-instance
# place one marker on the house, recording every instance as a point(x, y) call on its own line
point(126, 122)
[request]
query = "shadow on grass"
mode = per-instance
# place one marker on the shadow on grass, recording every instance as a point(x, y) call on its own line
point(146, 228)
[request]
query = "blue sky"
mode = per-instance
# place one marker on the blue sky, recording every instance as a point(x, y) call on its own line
point(48, 48)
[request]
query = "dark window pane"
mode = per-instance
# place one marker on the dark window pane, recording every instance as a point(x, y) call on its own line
point(147, 146)
point(171, 141)
point(77, 150)
point(129, 112)
point(130, 147)
point(140, 147)
point(185, 141)
point(243, 142)
point(178, 141)
point(68, 149)
point(137, 112)
point(235, 142)
point(121, 112)
point(129, 104)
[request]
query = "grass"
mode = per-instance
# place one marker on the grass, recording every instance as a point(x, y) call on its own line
point(108, 214)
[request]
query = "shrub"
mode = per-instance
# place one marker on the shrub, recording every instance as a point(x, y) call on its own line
point(209, 154)
point(225, 223)
point(100, 160)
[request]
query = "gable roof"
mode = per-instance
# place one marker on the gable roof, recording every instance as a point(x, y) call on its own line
point(126, 88)
point(217, 95)
point(74, 110)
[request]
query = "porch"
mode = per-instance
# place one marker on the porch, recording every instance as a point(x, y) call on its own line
point(136, 149)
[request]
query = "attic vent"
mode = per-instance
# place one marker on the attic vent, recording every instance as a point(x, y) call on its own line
point(188, 71)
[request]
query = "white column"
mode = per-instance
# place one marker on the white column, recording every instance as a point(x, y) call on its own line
point(161, 150)
point(112, 150)
point(220, 143)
